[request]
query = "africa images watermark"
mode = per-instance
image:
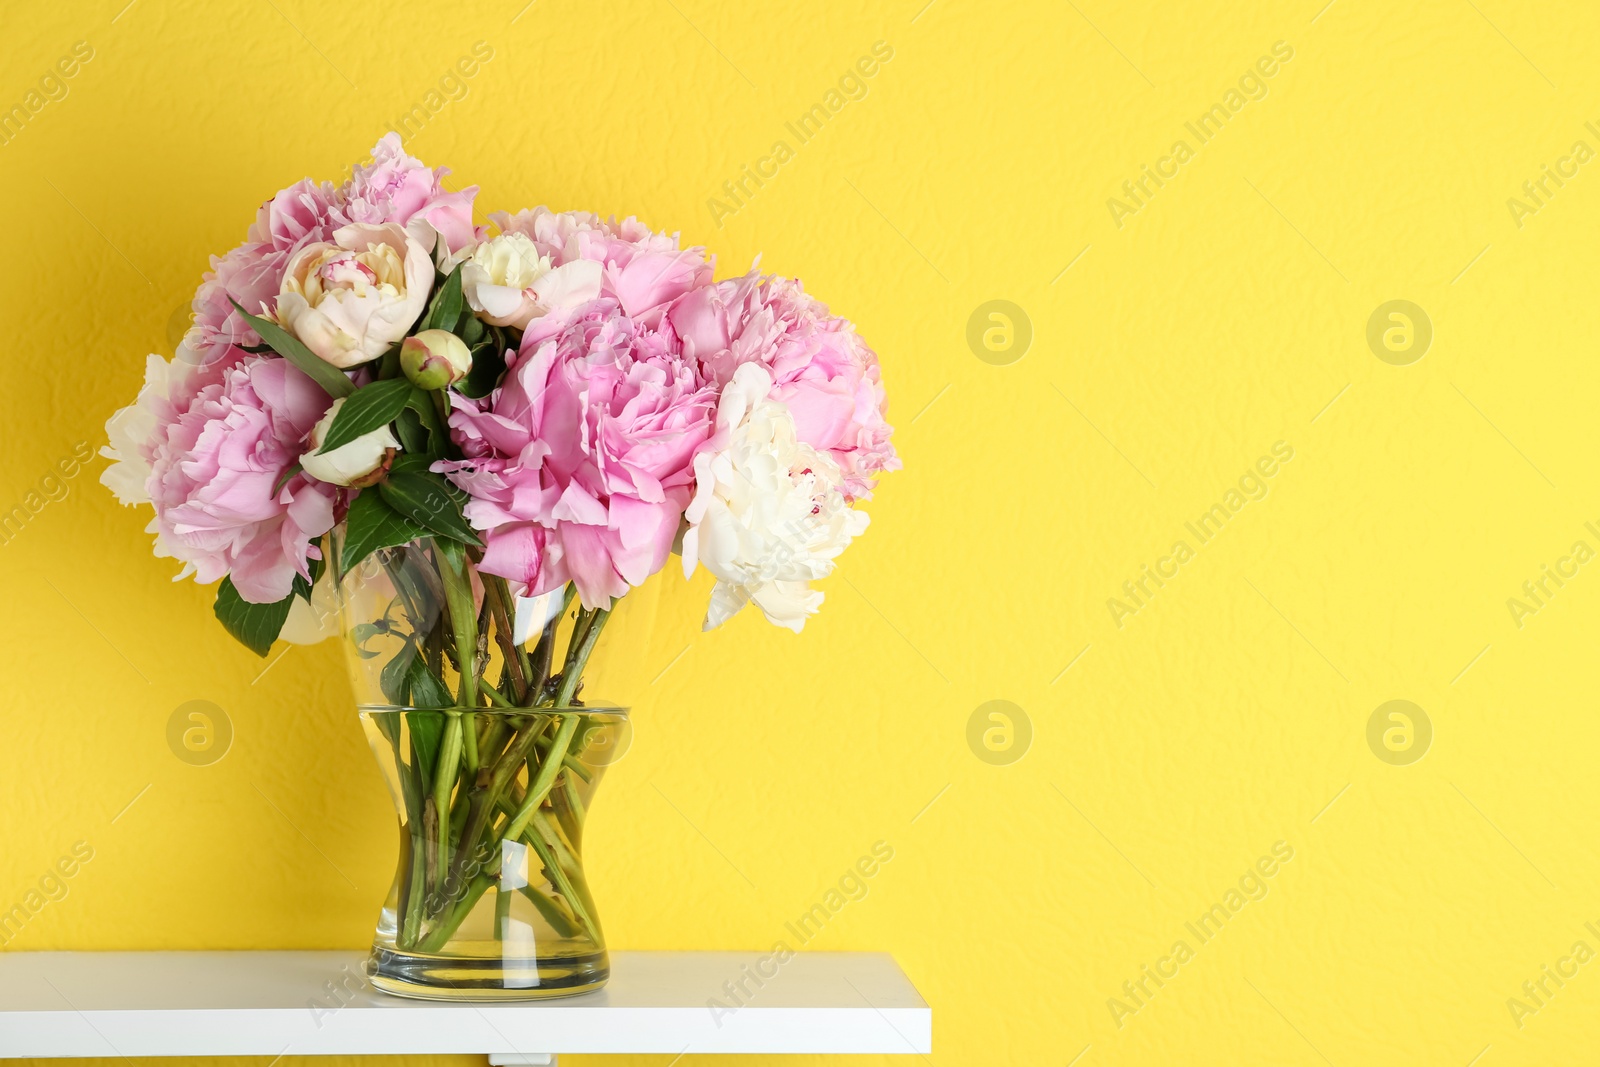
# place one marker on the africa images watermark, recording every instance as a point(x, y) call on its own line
point(339, 991)
point(1253, 485)
point(1537, 993)
point(1252, 886)
point(1137, 192)
point(999, 732)
point(1539, 591)
point(851, 887)
point(199, 733)
point(1537, 192)
point(752, 178)
point(452, 87)
point(53, 487)
point(51, 87)
point(52, 887)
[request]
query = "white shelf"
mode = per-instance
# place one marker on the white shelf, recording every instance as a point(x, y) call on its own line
point(64, 1004)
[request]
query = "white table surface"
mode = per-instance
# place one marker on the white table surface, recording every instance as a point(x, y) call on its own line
point(318, 1003)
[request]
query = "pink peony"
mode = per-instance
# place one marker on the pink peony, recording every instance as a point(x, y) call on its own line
point(821, 369)
point(644, 271)
point(135, 433)
point(307, 211)
point(399, 188)
point(304, 213)
point(579, 465)
point(212, 471)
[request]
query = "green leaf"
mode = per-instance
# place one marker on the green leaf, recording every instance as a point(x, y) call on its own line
point(389, 362)
point(372, 524)
point(255, 625)
point(488, 364)
point(395, 678)
point(446, 308)
point(283, 479)
point(411, 461)
point(427, 500)
point(427, 728)
point(426, 690)
point(473, 330)
point(319, 370)
point(369, 408)
point(363, 632)
point(452, 554)
point(422, 404)
point(408, 427)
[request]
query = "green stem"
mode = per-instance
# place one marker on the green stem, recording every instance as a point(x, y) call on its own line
point(539, 788)
point(481, 804)
point(412, 891)
point(574, 802)
point(498, 595)
point(544, 651)
point(469, 743)
point(568, 845)
point(430, 845)
point(578, 744)
point(576, 894)
point(489, 791)
point(578, 658)
point(580, 627)
point(561, 869)
point(490, 746)
point(569, 761)
point(444, 780)
point(433, 652)
point(440, 934)
point(502, 912)
point(463, 615)
point(413, 874)
point(563, 922)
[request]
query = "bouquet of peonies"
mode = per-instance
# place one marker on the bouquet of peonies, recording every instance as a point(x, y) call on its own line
point(483, 438)
point(567, 398)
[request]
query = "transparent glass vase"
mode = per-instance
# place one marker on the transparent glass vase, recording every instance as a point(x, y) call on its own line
point(492, 760)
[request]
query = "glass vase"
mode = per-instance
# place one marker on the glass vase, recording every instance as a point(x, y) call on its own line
point(472, 702)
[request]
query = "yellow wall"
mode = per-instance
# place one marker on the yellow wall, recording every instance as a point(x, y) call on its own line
point(1226, 314)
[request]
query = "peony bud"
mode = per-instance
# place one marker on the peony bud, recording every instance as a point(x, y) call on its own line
point(359, 463)
point(434, 359)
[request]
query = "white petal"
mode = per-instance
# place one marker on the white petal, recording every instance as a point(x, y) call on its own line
point(569, 285)
point(533, 613)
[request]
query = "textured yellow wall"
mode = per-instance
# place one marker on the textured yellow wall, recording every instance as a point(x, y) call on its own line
point(1176, 340)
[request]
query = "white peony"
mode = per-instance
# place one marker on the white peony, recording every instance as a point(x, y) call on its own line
point(132, 432)
point(348, 301)
point(129, 432)
point(352, 463)
point(508, 283)
point(769, 513)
